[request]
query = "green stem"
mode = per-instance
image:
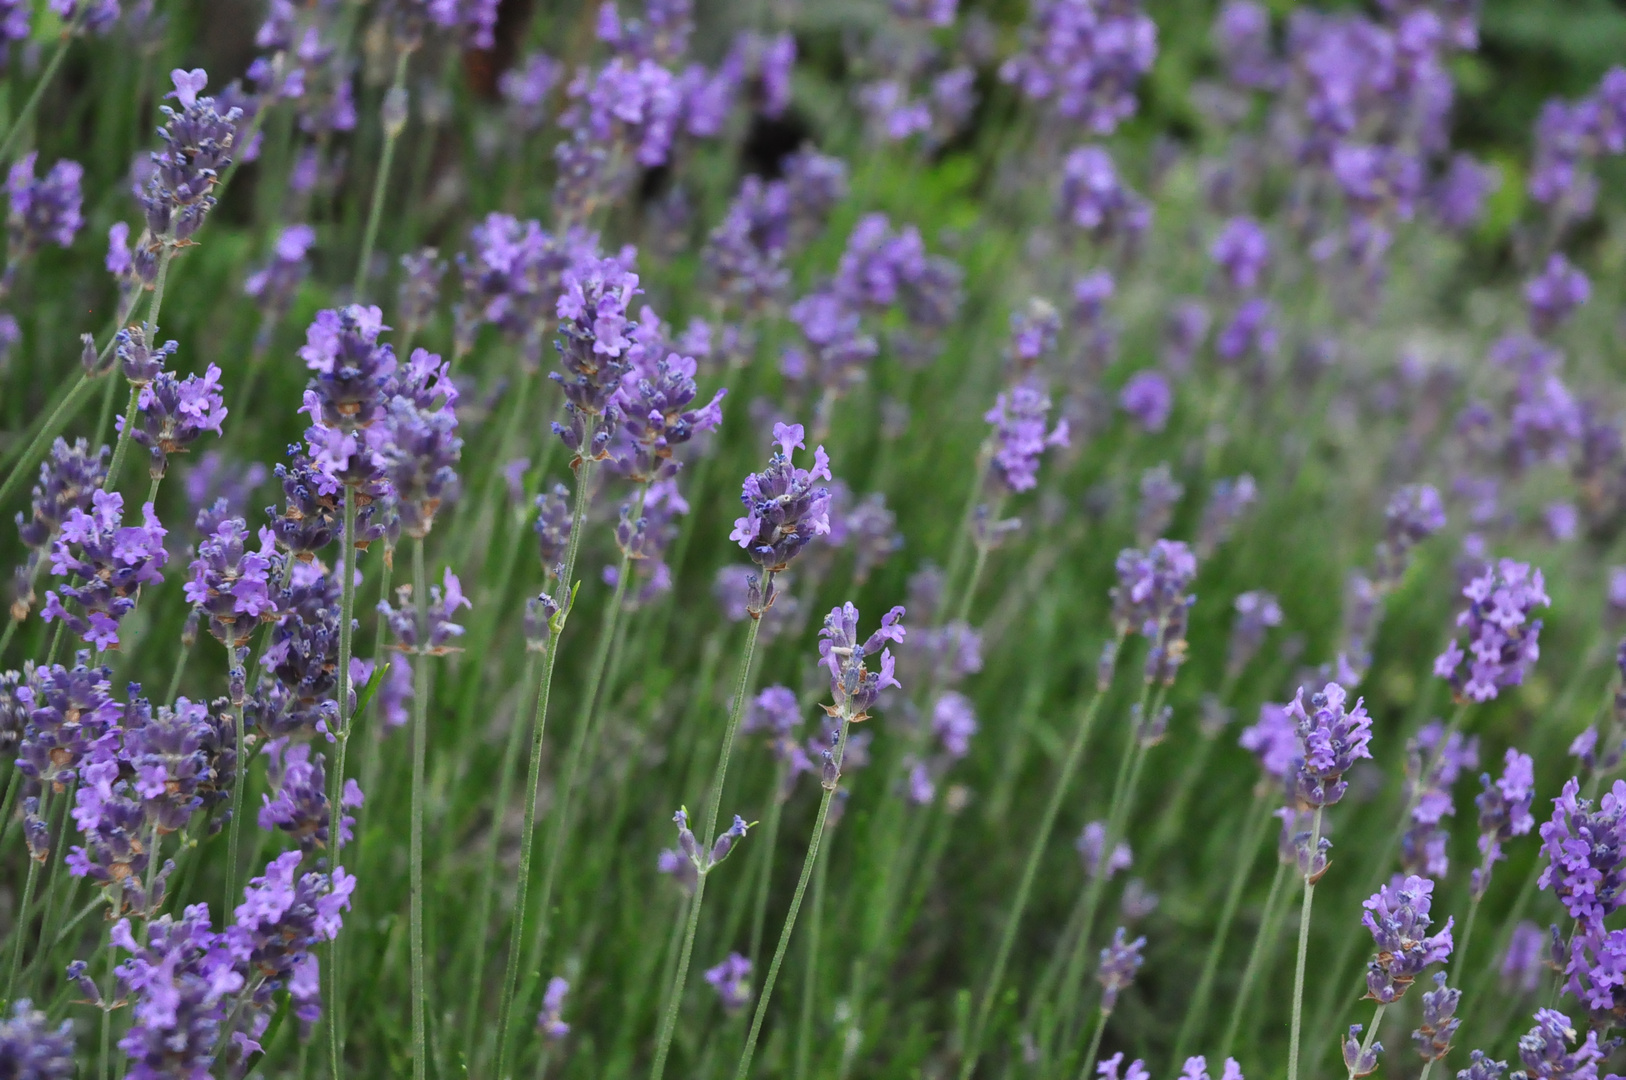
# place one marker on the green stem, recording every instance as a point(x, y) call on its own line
point(346, 567)
point(104, 1060)
point(516, 935)
point(811, 858)
point(1459, 959)
point(181, 656)
point(381, 180)
point(1088, 1071)
point(810, 976)
point(47, 77)
point(1030, 873)
point(663, 1042)
point(1263, 944)
point(42, 440)
point(1304, 951)
point(1197, 1010)
point(9, 804)
point(420, 723)
point(766, 841)
point(19, 934)
point(234, 833)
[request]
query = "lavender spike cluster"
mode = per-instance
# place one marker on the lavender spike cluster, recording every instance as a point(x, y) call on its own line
point(69, 477)
point(199, 142)
point(1333, 739)
point(1398, 919)
point(1504, 812)
point(784, 509)
point(1502, 637)
point(1083, 58)
point(416, 441)
point(593, 344)
point(43, 210)
point(106, 562)
point(843, 654)
point(1120, 961)
point(1153, 599)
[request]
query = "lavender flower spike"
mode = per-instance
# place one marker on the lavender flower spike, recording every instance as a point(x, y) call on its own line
point(593, 343)
point(854, 686)
point(1119, 963)
point(110, 561)
point(31, 1050)
point(1019, 417)
point(1544, 1050)
point(732, 980)
point(1503, 640)
point(1585, 850)
point(550, 1020)
point(783, 507)
point(1333, 738)
point(1504, 812)
point(1398, 919)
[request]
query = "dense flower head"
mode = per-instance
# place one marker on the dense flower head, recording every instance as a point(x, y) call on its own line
point(594, 339)
point(106, 562)
point(69, 477)
point(1397, 916)
point(44, 210)
point(1436, 757)
point(231, 583)
point(1333, 739)
point(553, 522)
point(1585, 849)
point(274, 284)
point(298, 803)
point(180, 982)
point(834, 331)
point(303, 655)
point(784, 507)
point(1119, 962)
point(512, 276)
point(1148, 399)
point(1083, 58)
point(656, 401)
point(841, 651)
point(1241, 35)
point(732, 981)
point(309, 519)
point(884, 266)
point(1504, 811)
point(1503, 639)
point(1095, 199)
point(178, 759)
point(1554, 293)
point(66, 712)
point(1019, 418)
point(417, 444)
point(199, 141)
point(1415, 512)
point(443, 603)
point(1458, 197)
point(172, 414)
point(139, 362)
point(1242, 252)
point(1091, 845)
point(117, 847)
point(1595, 972)
point(30, 1048)
point(629, 108)
point(350, 368)
point(1152, 599)
point(745, 252)
point(1546, 1055)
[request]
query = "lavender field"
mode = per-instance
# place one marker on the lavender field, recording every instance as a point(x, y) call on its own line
point(1048, 540)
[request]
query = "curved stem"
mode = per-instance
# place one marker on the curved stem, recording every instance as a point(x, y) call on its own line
point(663, 1043)
point(420, 720)
point(516, 935)
point(1030, 873)
point(1460, 957)
point(1304, 950)
point(1263, 944)
point(1197, 1010)
point(335, 782)
point(381, 181)
point(811, 858)
point(47, 77)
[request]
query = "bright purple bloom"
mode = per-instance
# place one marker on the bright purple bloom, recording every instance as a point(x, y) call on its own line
point(65, 713)
point(1148, 398)
point(1273, 740)
point(1108, 1069)
point(1504, 812)
point(593, 348)
point(1503, 640)
point(1019, 416)
point(656, 400)
point(732, 981)
point(417, 444)
point(174, 413)
point(199, 142)
point(1554, 293)
point(512, 277)
point(351, 370)
point(1242, 252)
point(44, 210)
point(1333, 738)
point(1398, 919)
point(1119, 962)
point(853, 685)
point(1596, 971)
point(181, 983)
point(69, 477)
point(297, 777)
point(110, 560)
point(1152, 599)
point(1585, 849)
point(441, 608)
point(783, 508)
point(232, 584)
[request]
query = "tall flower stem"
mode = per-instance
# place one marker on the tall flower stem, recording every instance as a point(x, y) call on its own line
point(19, 935)
point(1371, 1035)
point(810, 975)
point(386, 157)
point(1088, 1070)
point(1304, 951)
point(766, 841)
point(420, 745)
point(663, 1042)
point(1030, 873)
point(808, 862)
point(1264, 943)
point(122, 447)
point(335, 780)
point(1197, 1010)
point(516, 936)
point(47, 77)
point(234, 832)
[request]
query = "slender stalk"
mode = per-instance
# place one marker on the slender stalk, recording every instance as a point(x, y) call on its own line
point(1263, 944)
point(1371, 1036)
point(766, 841)
point(181, 656)
point(1304, 950)
point(1088, 1071)
point(420, 722)
point(104, 1059)
point(392, 132)
point(53, 425)
point(233, 834)
point(534, 774)
point(808, 862)
point(19, 935)
point(1030, 873)
point(810, 975)
point(9, 804)
point(663, 1042)
point(1197, 1010)
point(1459, 959)
point(1428, 1067)
point(335, 781)
point(47, 77)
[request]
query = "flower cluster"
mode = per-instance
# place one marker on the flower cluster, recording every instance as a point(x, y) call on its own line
point(1503, 639)
point(593, 344)
point(1504, 812)
point(784, 507)
point(1083, 59)
point(107, 561)
point(1152, 598)
point(853, 685)
point(44, 210)
point(198, 144)
point(1398, 919)
point(1333, 739)
point(69, 478)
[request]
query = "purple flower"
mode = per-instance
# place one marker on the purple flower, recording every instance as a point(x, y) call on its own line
point(65, 713)
point(1241, 35)
point(1458, 197)
point(512, 277)
point(1545, 1052)
point(1435, 759)
point(550, 1021)
point(351, 370)
point(1108, 1069)
point(1585, 849)
point(1256, 612)
point(1019, 416)
point(783, 507)
point(1273, 740)
point(1095, 200)
point(29, 1048)
point(43, 210)
point(118, 838)
point(954, 721)
point(69, 477)
point(867, 527)
point(273, 285)
point(297, 776)
point(1228, 500)
point(1596, 971)
point(1082, 58)
point(745, 252)
point(1251, 332)
point(732, 981)
point(232, 584)
point(1091, 845)
point(1119, 963)
point(1398, 919)
point(180, 983)
point(1160, 493)
point(14, 25)
point(552, 526)
point(139, 363)
point(198, 145)
point(656, 400)
point(443, 602)
point(1504, 812)
point(593, 347)
point(1359, 1062)
point(853, 685)
point(110, 561)
point(1415, 512)
point(1152, 599)
point(1196, 1068)
point(303, 657)
point(1556, 292)
point(1523, 965)
point(526, 87)
point(1148, 398)
point(1333, 740)
point(417, 444)
point(1242, 252)
point(1183, 334)
point(172, 413)
point(1503, 640)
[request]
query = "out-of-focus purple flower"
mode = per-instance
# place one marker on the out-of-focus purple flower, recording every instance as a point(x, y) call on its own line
point(1415, 512)
point(214, 477)
point(1035, 331)
point(1152, 598)
point(1256, 612)
point(1563, 521)
point(954, 721)
point(1333, 739)
point(1119, 962)
point(1250, 333)
point(784, 509)
point(1183, 334)
point(1378, 179)
point(1095, 200)
point(1241, 35)
point(440, 609)
point(866, 526)
point(1585, 849)
point(550, 1021)
point(419, 293)
point(1503, 639)
point(44, 210)
point(1554, 293)
point(1091, 845)
point(110, 561)
point(1273, 740)
point(1458, 197)
point(853, 685)
point(1435, 759)
point(1242, 251)
point(1148, 399)
point(1523, 965)
point(1160, 493)
point(1019, 417)
point(273, 285)
point(29, 1047)
point(1108, 1069)
point(1083, 58)
point(14, 26)
point(512, 276)
point(732, 981)
point(1398, 919)
point(69, 477)
point(553, 518)
point(1228, 501)
point(526, 87)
